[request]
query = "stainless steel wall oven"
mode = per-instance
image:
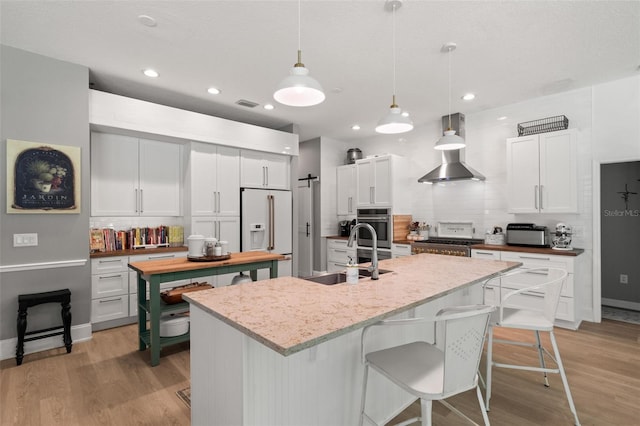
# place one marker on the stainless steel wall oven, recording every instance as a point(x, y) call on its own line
point(380, 220)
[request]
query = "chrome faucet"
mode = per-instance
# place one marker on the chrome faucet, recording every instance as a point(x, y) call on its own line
point(373, 268)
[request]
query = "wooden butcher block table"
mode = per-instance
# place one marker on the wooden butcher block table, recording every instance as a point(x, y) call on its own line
point(155, 272)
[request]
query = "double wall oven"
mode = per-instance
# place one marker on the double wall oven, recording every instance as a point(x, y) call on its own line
point(380, 220)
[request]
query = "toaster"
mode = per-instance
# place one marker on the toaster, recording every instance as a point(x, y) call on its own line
point(527, 234)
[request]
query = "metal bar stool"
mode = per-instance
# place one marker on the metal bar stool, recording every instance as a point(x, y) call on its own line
point(29, 300)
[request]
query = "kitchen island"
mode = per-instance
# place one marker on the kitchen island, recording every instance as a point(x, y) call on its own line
point(286, 351)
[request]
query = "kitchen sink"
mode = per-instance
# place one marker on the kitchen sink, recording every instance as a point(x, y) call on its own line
point(341, 277)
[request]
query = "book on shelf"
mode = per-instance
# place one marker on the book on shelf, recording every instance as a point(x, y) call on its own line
point(109, 239)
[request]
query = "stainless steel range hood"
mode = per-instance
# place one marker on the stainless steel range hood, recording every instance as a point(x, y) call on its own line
point(453, 167)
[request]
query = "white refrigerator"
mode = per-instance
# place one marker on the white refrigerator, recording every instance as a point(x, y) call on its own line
point(266, 224)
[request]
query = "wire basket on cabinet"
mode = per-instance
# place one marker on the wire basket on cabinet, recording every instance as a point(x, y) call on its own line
point(543, 125)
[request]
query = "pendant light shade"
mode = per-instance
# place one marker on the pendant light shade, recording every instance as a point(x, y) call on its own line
point(450, 140)
point(299, 89)
point(394, 121)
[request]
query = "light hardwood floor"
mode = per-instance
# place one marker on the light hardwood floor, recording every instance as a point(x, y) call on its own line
point(107, 381)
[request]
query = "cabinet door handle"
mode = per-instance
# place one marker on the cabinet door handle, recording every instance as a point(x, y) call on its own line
point(267, 174)
point(371, 194)
point(135, 194)
point(162, 256)
point(339, 251)
point(218, 201)
point(103, 277)
point(141, 201)
point(110, 300)
point(308, 229)
point(534, 258)
point(535, 197)
point(484, 252)
point(349, 204)
point(541, 207)
point(109, 261)
point(264, 176)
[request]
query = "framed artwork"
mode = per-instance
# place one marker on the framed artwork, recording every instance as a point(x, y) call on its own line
point(42, 178)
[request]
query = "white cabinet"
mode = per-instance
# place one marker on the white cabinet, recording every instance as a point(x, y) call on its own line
point(400, 250)
point(264, 170)
point(134, 177)
point(109, 289)
point(382, 182)
point(346, 185)
point(338, 254)
point(568, 314)
point(542, 173)
point(214, 180)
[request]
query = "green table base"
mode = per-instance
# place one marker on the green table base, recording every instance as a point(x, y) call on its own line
point(149, 337)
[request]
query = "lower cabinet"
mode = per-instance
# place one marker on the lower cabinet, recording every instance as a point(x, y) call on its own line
point(338, 254)
point(114, 289)
point(567, 314)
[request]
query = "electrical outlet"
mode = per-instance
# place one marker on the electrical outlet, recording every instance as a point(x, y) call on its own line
point(624, 279)
point(25, 240)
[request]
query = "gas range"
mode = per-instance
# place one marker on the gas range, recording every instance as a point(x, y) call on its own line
point(454, 239)
point(447, 246)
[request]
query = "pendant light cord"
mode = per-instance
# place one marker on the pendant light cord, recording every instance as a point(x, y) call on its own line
point(299, 63)
point(449, 55)
point(394, 54)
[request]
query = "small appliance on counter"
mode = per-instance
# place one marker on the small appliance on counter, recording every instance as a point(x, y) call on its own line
point(562, 237)
point(345, 228)
point(527, 234)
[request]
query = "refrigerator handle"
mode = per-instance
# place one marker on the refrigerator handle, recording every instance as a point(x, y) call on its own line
point(272, 222)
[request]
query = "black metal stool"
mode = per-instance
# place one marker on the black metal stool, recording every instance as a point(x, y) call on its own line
point(28, 300)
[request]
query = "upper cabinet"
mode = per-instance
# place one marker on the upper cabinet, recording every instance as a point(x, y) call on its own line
point(214, 180)
point(346, 182)
point(382, 182)
point(134, 177)
point(542, 173)
point(264, 170)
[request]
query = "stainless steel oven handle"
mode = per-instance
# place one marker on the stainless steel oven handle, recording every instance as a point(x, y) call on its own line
point(376, 218)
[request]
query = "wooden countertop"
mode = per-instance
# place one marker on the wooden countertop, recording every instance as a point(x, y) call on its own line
point(520, 249)
point(289, 314)
point(161, 266)
point(131, 252)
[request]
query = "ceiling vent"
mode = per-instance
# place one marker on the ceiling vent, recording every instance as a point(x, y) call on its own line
point(246, 103)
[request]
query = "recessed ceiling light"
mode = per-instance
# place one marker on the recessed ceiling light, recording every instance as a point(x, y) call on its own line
point(469, 97)
point(287, 147)
point(504, 117)
point(355, 127)
point(151, 73)
point(268, 106)
point(147, 20)
point(213, 90)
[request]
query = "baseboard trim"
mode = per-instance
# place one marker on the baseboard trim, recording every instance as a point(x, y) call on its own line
point(79, 333)
point(623, 304)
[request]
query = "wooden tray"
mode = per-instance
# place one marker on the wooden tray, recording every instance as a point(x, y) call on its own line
point(209, 258)
point(175, 295)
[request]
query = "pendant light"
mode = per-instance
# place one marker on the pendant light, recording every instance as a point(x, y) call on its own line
point(299, 89)
point(450, 140)
point(394, 121)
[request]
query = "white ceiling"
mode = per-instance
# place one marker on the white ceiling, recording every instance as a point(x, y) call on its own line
point(508, 51)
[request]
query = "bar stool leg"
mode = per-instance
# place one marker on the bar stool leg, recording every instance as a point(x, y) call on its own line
point(66, 323)
point(22, 328)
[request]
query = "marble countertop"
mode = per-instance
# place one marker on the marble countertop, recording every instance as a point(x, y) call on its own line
point(289, 314)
